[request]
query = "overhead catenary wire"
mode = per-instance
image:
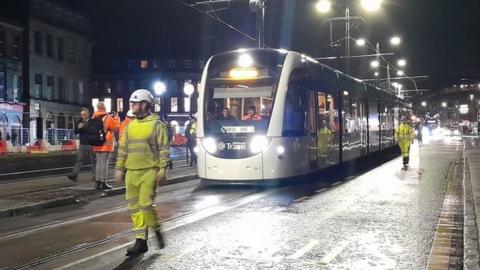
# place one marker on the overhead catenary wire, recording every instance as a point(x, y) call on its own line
point(218, 19)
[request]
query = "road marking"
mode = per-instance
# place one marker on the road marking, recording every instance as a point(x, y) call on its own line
point(305, 249)
point(301, 199)
point(334, 253)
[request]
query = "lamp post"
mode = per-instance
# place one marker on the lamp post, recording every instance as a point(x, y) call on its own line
point(324, 6)
point(188, 89)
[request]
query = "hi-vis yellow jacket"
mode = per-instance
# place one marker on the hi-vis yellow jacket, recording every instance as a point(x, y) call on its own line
point(144, 145)
point(405, 133)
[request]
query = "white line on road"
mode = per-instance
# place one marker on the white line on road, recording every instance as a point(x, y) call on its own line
point(305, 249)
point(334, 253)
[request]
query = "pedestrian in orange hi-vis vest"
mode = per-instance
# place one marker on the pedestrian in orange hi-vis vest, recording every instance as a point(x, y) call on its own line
point(104, 150)
point(130, 116)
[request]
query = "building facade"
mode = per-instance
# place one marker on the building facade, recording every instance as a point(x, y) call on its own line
point(59, 67)
point(116, 77)
point(11, 72)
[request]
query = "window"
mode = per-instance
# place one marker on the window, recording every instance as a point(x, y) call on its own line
point(295, 109)
point(3, 86)
point(50, 88)
point(119, 87)
point(38, 42)
point(108, 88)
point(49, 45)
point(38, 88)
point(3, 42)
point(174, 104)
point(94, 102)
point(187, 64)
point(144, 64)
point(61, 89)
point(108, 104)
point(156, 63)
point(172, 63)
point(61, 49)
point(16, 51)
point(119, 104)
point(186, 104)
point(16, 86)
point(81, 92)
point(131, 64)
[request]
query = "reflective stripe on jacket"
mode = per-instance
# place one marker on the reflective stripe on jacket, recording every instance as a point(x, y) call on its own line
point(144, 145)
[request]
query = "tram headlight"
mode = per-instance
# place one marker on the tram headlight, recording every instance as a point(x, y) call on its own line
point(210, 145)
point(258, 144)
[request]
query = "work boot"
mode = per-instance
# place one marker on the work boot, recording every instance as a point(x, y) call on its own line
point(159, 235)
point(104, 185)
point(72, 177)
point(138, 248)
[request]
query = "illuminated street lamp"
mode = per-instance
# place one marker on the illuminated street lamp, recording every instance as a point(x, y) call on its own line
point(375, 64)
point(160, 88)
point(324, 6)
point(402, 63)
point(400, 73)
point(361, 42)
point(424, 104)
point(371, 5)
point(471, 97)
point(396, 40)
point(188, 88)
point(376, 74)
point(444, 104)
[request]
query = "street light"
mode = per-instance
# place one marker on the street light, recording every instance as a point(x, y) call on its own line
point(471, 97)
point(400, 73)
point(324, 6)
point(375, 64)
point(188, 88)
point(160, 88)
point(361, 42)
point(424, 103)
point(376, 74)
point(371, 5)
point(402, 63)
point(444, 104)
point(396, 40)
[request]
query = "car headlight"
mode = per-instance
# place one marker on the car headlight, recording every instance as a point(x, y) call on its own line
point(258, 144)
point(210, 145)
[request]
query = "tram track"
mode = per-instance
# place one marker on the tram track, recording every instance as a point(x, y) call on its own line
point(169, 223)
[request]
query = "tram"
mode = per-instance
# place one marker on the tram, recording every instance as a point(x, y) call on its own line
point(268, 114)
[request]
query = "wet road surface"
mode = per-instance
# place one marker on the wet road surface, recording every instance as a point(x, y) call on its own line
point(382, 219)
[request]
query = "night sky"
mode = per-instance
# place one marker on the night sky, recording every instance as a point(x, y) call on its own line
point(441, 38)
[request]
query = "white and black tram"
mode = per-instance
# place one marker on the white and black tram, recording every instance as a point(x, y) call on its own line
point(269, 114)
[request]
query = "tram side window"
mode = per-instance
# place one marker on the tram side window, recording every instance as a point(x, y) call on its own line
point(348, 120)
point(326, 112)
point(295, 110)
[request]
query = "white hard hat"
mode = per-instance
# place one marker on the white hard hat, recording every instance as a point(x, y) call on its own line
point(142, 95)
point(130, 114)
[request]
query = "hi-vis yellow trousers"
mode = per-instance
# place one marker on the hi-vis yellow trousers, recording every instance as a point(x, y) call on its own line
point(140, 194)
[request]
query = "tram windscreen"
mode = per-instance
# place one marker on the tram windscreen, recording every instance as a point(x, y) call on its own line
point(239, 108)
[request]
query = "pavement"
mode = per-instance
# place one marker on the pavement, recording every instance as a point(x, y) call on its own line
point(33, 195)
point(472, 203)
